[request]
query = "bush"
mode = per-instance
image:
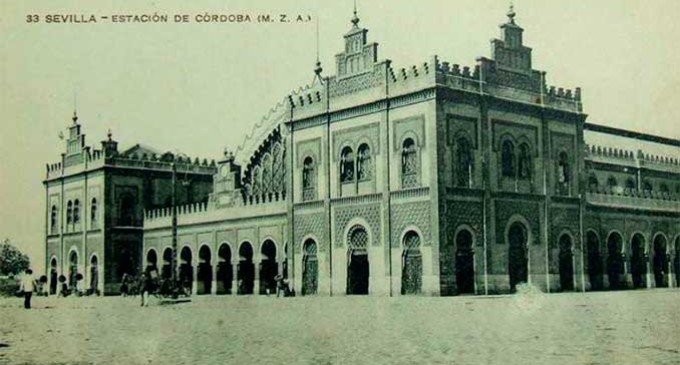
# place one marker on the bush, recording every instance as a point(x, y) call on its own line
point(9, 287)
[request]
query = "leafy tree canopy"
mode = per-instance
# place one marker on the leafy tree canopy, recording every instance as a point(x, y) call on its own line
point(12, 261)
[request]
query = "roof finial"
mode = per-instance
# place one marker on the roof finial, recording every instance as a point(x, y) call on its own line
point(75, 106)
point(109, 134)
point(75, 117)
point(318, 69)
point(355, 18)
point(511, 13)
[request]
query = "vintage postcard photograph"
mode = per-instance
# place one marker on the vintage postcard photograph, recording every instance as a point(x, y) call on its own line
point(340, 182)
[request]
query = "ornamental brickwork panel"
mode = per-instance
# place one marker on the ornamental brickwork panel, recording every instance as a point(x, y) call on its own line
point(311, 224)
point(505, 209)
point(411, 214)
point(368, 212)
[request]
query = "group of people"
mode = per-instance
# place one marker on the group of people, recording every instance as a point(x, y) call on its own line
point(146, 284)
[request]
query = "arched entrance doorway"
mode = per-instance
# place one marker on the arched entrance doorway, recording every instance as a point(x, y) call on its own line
point(73, 271)
point(125, 263)
point(411, 265)
point(660, 261)
point(465, 268)
point(566, 259)
point(186, 270)
point(204, 274)
point(94, 275)
point(166, 271)
point(151, 261)
point(638, 261)
point(518, 261)
point(225, 273)
point(269, 268)
point(615, 261)
point(54, 275)
point(310, 268)
point(357, 261)
point(246, 269)
point(594, 261)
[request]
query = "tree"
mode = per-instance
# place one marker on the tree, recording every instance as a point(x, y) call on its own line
point(12, 261)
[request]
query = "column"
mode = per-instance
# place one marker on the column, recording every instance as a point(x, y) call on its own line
point(234, 277)
point(213, 287)
point(194, 281)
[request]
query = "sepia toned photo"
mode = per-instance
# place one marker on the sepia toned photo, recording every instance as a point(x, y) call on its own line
point(350, 182)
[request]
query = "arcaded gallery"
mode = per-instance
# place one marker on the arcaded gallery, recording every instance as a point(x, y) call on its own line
point(434, 179)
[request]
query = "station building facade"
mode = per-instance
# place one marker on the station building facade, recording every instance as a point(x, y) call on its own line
point(436, 179)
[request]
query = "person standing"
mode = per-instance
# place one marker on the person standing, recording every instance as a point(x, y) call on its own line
point(28, 286)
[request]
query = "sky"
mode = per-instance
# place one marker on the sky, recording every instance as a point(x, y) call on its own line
point(201, 87)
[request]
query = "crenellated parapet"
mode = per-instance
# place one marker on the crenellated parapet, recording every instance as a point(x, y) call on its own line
point(615, 155)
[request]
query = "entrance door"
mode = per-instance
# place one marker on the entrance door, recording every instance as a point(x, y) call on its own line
point(517, 256)
point(615, 261)
point(310, 269)
point(566, 263)
point(660, 262)
point(357, 261)
point(53, 277)
point(246, 269)
point(638, 264)
point(358, 272)
point(412, 265)
point(465, 270)
point(594, 261)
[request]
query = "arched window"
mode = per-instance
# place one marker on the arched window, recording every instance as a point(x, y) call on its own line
point(76, 211)
point(409, 164)
point(93, 213)
point(663, 188)
point(647, 186)
point(630, 184)
point(612, 184)
point(524, 163)
point(365, 166)
point(563, 174)
point(346, 165)
point(126, 211)
point(53, 219)
point(593, 184)
point(257, 181)
point(69, 212)
point(266, 174)
point(464, 162)
point(277, 168)
point(308, 179)
point(508, 159)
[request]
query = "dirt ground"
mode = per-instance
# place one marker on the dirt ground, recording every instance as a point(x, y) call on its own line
point(628, 327)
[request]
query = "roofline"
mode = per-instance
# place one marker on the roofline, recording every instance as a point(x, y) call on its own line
point(631, 134)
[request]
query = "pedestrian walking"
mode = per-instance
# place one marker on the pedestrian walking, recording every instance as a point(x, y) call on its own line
point(28, 286)
point(145, 288)
point(124, 285)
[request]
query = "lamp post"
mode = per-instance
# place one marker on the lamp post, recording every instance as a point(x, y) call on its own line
point(176, 285)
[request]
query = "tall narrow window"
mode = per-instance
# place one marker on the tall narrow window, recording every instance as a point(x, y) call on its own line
point(266, 174)
point(563, 174)
point(593, 184)
point(53, 219)
point(346, 165)
point(647, 186)
point(464, 162)
point(278, 169)
point(630, 184)
point(409, 164)
point(76, 211)
point(508, 159)
point(365, 166)
point(93, 213)
point(524, 164)
point(257, 181)
point(308, 180)
point(69, 212)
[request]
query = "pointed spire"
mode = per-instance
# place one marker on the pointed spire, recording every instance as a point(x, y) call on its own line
point(355, 18)
point(511, 13)
point(318, 69)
